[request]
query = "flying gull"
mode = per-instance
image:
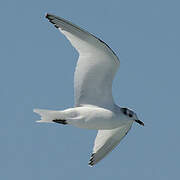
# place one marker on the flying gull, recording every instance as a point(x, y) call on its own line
point(94, 105)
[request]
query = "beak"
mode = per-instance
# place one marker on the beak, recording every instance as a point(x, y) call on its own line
point(140, 122)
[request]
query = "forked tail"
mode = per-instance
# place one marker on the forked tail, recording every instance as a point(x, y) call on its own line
point(50, 116)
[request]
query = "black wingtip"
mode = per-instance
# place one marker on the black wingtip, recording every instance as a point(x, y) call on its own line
point(47, 15)
point(56, 26)
point(91, 161)
point(90, 164)
point(51, 19)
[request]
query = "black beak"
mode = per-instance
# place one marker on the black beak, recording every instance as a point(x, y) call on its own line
point(140, 122)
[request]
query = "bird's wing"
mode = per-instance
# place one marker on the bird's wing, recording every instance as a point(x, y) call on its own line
point(96, 66)
point(106, 141)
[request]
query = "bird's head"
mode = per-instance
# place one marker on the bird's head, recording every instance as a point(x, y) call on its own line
point(132, 115)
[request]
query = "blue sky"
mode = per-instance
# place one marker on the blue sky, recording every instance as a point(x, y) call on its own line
point(36, 71)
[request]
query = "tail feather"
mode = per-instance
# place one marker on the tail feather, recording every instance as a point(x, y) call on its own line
point(62, 117)
point(46, 115)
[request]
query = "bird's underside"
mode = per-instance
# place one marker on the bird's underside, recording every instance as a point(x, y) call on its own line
point(94, 74)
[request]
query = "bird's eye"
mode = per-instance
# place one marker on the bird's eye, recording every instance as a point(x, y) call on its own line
point(130, 115)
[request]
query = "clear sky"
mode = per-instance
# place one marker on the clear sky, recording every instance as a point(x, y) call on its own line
point(36, 71)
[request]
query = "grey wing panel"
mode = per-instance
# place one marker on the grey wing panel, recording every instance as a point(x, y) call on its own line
point(106, 141)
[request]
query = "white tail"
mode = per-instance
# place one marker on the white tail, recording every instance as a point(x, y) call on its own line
point(47, 115)
point(68, 116)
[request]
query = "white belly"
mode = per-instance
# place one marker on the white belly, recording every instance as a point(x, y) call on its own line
point(92, 117)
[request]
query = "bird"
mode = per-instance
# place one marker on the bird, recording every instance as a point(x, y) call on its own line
point(94, 106)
